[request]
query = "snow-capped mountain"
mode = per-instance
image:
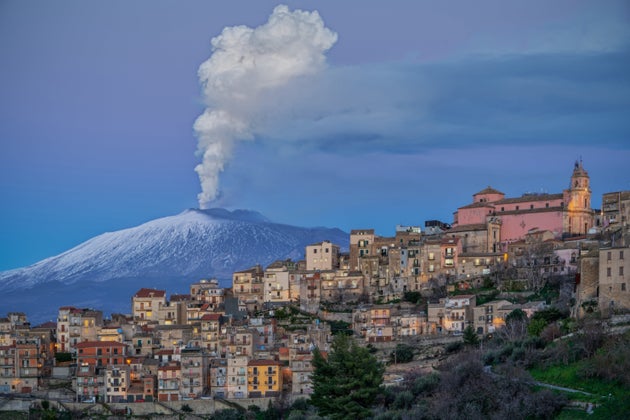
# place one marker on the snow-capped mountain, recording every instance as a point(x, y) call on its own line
point(170, 253)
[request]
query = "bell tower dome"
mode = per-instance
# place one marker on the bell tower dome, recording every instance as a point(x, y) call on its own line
point(578, 215)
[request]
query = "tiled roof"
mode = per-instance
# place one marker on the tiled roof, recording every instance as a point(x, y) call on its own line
point(263, 362)
point(525, 198)
point(489, 190)
point(211, 317)
point(145, 293)
point(87, 344)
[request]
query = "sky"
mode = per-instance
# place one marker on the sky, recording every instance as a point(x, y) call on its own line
point(366, 114)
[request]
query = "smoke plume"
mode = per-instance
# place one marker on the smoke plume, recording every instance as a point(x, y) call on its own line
point(246, 67)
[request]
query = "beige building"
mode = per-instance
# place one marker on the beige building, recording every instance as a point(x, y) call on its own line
point(117, 382)
point(361, 245)
point(615, 209)
point(614, 280)
point(208, 291)
point(236, 377)
point(322, 256)
point(277, 285)
point(249, 287)
point(452, 314)
point(76, 325)
point(194, 365)
point(146, 303)
point(169, 379)
point(490, 316)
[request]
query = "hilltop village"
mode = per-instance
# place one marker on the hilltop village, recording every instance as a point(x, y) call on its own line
point(255, 339)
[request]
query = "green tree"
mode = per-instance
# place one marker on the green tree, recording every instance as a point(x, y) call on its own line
point(346, 384)
point(470, 336)
point(536, 326)
point(402, 354)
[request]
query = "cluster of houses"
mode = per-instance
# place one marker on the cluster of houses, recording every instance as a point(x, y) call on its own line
point(255, 338)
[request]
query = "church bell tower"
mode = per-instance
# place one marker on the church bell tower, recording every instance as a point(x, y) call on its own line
point(578, 216)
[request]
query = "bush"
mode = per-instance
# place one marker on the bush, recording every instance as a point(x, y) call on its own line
point(454, 347)
point(186, 408)
point(425, 384)
point(402, 354)
point(404, 400)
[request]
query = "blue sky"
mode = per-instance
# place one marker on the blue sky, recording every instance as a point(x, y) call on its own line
point(419, 104)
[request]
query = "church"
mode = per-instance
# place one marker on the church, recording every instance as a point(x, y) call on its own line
point(492, 221)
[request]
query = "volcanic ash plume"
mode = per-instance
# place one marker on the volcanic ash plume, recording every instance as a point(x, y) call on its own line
point(245, 67)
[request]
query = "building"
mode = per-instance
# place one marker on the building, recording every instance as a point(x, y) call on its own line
point(615, 212)
point(146, 303)
point(248, 287)
point(492, 219)
point(264, 378)
point(194, 368)
point(614, 280)
point(169, 380)
point(236, 377)
point(322, 256)
point(75, 325)
point(101, 353)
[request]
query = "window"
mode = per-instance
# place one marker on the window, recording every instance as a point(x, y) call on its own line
point(621, 255)
point(546, 205)
point(315, 251)
point(608, 274)
point(623, 287)
point(621, 271)
point(531, 206)
point(516, 207)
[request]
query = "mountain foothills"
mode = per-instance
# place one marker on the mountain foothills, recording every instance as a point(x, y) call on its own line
point(169, 252)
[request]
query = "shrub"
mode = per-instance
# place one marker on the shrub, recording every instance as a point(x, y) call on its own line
point(403, 400)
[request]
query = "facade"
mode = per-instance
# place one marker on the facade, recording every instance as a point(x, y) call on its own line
point(322, 256)
point(264, 378)
point(614, 280)
point(236, 377)
point(615, 209)
point(248, 286)
point(146, 304)
point(169, 381)
point(509, 219)
point(75, 325)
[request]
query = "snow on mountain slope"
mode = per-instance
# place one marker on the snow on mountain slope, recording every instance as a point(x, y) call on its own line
point(189, 246)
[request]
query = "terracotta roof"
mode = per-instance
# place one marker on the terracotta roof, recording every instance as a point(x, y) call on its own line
point(364, 231)
point(466, 228)
point(211, 317)
point(461, 297)
point(180, 298)
point(47, 325)
point(479, 204)
point(525, 198)
point(489, 190)
point(87, 344)
point(145, 293)
point(263, 362)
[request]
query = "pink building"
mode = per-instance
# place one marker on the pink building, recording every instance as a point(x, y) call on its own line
point(565, 214)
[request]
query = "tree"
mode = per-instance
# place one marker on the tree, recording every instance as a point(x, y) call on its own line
point(402, 354)
point(470, 336)
point(346, 384)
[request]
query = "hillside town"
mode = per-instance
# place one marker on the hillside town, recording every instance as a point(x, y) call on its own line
point(255, 339)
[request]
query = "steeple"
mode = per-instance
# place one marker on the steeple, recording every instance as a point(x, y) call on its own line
point(579, 215)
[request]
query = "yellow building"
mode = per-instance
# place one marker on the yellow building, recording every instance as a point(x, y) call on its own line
point(264, 378)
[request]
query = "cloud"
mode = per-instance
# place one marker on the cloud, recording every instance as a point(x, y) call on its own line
point(566, 98)
point(247, 65)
